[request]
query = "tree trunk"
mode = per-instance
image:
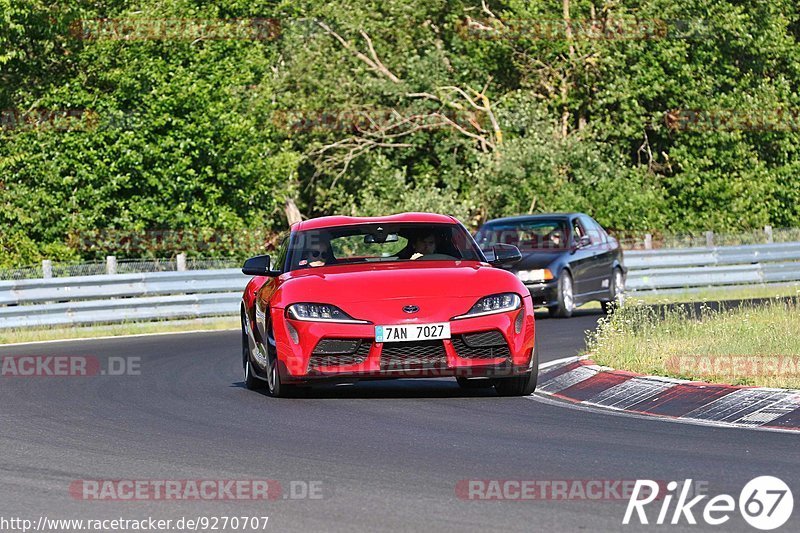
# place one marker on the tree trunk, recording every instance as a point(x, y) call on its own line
point(292, 212)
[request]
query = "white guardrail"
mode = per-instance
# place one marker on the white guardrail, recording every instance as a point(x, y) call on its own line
point(120, 298)
point(203, 293)
point(682, 268)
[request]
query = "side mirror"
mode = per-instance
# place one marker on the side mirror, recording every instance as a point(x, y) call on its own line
point(258, 266)
point(583, 242)
point(505, 254)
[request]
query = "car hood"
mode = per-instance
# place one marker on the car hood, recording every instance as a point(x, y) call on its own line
point(440, 289)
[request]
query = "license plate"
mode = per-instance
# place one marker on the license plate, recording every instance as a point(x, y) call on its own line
point(414, 332)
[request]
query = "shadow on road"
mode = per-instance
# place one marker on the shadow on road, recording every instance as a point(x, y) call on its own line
point(434, 388)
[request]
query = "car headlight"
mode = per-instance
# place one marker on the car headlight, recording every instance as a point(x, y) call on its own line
point(496, 303)
point(320, 313)
point(535, 276)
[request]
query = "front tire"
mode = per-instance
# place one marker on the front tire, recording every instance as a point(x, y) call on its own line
point(250, 380)
point(566, 297)
point(275, 387)
point(523, 385)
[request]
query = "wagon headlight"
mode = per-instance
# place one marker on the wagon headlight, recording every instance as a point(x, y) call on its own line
point(496, 303)
point(320, 313)
point(535, 276)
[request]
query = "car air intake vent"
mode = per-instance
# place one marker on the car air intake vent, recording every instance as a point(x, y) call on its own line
point(336, 346)
point(486, 345)
point(487, 338)
point(401, 355)
point(340, 352)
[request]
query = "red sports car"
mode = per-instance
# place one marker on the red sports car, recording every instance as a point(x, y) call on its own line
point(403, 296)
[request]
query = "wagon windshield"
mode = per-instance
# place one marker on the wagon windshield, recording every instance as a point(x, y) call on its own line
point(379, 243)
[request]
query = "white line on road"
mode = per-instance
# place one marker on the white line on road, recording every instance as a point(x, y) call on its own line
point(563, 360)
point(128, 336)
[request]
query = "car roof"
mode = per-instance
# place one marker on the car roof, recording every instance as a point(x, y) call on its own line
point(539, 216)
point(334, 221)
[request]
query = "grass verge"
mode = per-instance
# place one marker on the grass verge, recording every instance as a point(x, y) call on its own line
point(714, 294)
point(746, 345)
point(12, 336)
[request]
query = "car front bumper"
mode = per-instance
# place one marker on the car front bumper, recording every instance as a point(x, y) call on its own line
point(488, 346)
point(543, 294)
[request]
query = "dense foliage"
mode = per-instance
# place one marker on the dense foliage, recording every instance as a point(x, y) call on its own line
point(666, 115)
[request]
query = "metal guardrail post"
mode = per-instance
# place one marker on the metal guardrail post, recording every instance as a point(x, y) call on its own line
point(710, 239)
point(111, 265)
point(648, 241)
point(180, 261)
point(47, 268)
point(768, 233)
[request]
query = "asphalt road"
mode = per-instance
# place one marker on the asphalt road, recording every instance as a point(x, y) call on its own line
point(387, 455)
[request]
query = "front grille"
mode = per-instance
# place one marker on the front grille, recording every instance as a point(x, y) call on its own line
point(340, 352)
point(398, 355)
point(484, 345)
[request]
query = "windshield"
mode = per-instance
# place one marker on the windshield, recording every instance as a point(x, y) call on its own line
point(528, 236)
point(382, 243)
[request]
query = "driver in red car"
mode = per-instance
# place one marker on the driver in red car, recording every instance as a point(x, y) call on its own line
point(423, 245)
point(419, 244)
point(317, 254)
